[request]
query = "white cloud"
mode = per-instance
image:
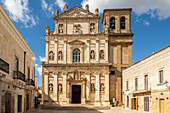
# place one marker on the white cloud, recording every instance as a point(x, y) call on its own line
point(38, 69)
point(48, 9)
point(42, 58)
point(20, 12)
point(60, 4)
point(146, 23)
point(155, 8)
point(34, 58)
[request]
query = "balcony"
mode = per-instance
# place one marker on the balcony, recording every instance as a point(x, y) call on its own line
point(30, 82)
point(18, 75)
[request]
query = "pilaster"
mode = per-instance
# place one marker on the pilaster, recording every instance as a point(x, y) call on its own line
point(65, 51)
point(46, 86)
point(55, 91)
point(56, 51)
point(47, 51)
point(106, 50)
point(107, 88)
point(97, 50)
point(88, 51)
point(88, 82)
point(97, 87)
point(64, 86)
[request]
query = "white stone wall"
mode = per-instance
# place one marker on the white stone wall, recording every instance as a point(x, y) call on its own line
point(149, 66)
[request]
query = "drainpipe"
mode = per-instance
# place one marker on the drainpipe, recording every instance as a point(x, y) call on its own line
point(24, 60)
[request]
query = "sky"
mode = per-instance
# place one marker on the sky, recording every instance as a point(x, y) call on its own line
point(150, 23)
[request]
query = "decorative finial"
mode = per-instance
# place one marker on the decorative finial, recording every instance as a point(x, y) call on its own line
point(97, 11)
point(47, 30)
point(87, 7)
point(56, 12)
point(65, 8)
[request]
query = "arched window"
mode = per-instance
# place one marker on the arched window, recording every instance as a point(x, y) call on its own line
point(60, 55)
point(101, 54)
point(112, 23)
point(122, 23)
point(76, 55)
point(51, 55)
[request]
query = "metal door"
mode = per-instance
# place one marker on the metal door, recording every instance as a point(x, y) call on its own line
point(7, 103)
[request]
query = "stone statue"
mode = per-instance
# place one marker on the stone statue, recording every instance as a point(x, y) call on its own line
point(97, 11)
point(87, 7)
point(50, 87)
point(92, 87)
point(77, 29)
point(101, 54)
point(56, 12)
point(51, 55)
point(60, 55)
point(47, 30)
point(60, 87)
point(102, 87)
point(51, 33)
point(92, 55)
point(65, 8)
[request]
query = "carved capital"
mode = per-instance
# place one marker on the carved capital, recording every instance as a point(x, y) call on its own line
point(97, 40)
point(56, 40)
point(107, 72)
point(88, 41)
point(88, 73)
point(46, 73)
point(64, 73)
point(55, 73)
point(97, 73)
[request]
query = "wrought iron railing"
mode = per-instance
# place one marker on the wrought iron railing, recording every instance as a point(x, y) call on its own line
point(30, 82)
point(18, 75)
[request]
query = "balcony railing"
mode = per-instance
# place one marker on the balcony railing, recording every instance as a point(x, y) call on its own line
point(18, 75)
point(30, 82)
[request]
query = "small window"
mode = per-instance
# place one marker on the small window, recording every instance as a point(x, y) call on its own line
point(136, 84)
point(112, 72)
point(28, 73)
point(122, 23)
point(161, 76)
point(127, 85)
point(17, 64)
point(112, 23)
point(146, 82)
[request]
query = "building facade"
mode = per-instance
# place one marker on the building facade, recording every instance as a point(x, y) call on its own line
point(83, 65)
point(146, 83)
point(17, 91)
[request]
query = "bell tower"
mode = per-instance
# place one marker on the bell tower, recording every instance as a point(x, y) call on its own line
point(117, 20)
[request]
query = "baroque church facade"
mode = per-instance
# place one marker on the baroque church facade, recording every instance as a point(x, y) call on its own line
point(83, 64)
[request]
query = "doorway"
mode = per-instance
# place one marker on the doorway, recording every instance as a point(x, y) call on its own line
point(127, 101)
point(76, 94)
point(7, 103)
point(146, 103)
point(162, 106)
point(19, 103)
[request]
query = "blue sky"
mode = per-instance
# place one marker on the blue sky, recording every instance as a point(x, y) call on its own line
point(150, 22)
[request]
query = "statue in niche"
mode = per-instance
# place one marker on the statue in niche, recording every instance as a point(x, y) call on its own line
point(65, 7)
point(60, 29)
point(50, 87)
point(92, 87)
point(92, 54)
point(76, 75)
point(60, 55)
point(51, 55)
point(60, 87)
point(56, 12)
point(101, 54)
point(102, 87)
point(77, 29)
point(92, 27)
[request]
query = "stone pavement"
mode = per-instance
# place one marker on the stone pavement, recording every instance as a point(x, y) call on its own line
point(81, 109)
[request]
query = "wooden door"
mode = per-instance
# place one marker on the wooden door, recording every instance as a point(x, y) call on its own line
point(76, 94)
point(162, 106)
point(127, 101)
point(7, 103)
point(146, 103)
point(136, 103)
point(19, 103)
point(27, 101)
point(131, 104)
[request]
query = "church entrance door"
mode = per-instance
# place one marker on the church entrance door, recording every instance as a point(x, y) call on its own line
point(76, 94)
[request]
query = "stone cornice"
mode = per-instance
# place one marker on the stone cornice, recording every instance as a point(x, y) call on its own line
point(77, 64)
point(13, 31)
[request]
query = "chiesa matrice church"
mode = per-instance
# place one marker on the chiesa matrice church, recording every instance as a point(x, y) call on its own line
point(83, 64)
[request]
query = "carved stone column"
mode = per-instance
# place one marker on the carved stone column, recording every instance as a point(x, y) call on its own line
point(88, 82)
point(84, 93)
point(97, 89)
point(47, 51)
point(97, 50)
point(56, 51)
point(107, 88)
point(55, 86)
point(46, 94)
point(68, 92)
point(106, 50)
point(64, 86)
point(82, 55)
point(65, 51)
point(88, 51)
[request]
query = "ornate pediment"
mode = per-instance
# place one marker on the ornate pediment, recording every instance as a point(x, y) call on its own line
point(76, 42)
point(77, 12)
